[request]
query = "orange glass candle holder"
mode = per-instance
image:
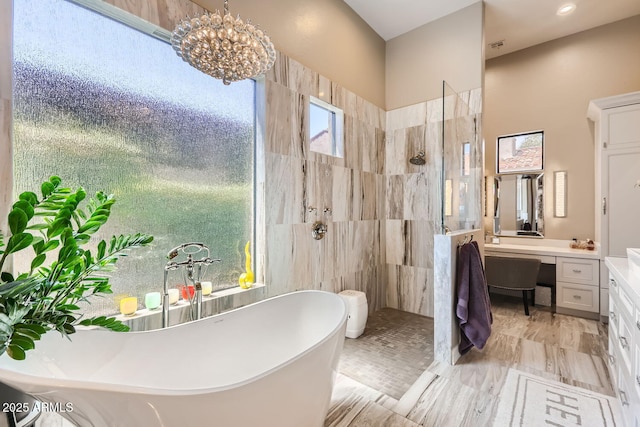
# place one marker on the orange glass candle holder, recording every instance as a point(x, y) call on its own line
point(187, 291)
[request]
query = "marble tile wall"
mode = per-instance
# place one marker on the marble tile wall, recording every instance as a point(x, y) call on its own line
point(413, 201)
point(351, 254)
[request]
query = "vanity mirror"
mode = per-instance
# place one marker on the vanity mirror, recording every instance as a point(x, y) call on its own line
point(518, 205)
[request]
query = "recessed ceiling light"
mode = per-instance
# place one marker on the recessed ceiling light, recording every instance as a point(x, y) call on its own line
point(566, 9)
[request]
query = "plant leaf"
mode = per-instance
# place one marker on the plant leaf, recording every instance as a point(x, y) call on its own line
point(39, 329)
point(102, 246)
point(106, 322)
point(55, 180)
point(18, 220)
point(38, 261)
point(51, 245)
point(18, 242)
point(15, 352)
point(25, 206)
point(47, 188)
point(23, 342)
point(29, 197)
point(57, 227)
point(6, 276)
point(27, 333)
point(90, 227)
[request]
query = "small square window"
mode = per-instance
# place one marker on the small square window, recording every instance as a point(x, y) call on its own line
point(326, 128)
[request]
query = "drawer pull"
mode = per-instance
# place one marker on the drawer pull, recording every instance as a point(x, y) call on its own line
point(575, 270)
point(638, 379)
point(638, 324)
point(612, 359)
point(623, 398)
point(613, 282)
point(623, 342)
point(577, 297)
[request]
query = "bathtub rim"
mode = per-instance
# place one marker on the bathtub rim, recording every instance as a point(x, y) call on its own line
point(15, 377)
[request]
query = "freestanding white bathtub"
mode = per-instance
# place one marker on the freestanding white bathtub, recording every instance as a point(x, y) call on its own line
point(271, 363)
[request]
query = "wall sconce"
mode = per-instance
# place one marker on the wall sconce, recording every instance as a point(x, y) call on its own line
point(560, 194)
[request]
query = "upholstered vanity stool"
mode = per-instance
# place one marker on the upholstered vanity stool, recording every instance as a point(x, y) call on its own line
point(516, 274)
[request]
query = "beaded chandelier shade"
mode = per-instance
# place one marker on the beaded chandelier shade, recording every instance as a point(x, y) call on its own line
point(223, 47)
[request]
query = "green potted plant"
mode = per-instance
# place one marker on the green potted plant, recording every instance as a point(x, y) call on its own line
point(45, 298)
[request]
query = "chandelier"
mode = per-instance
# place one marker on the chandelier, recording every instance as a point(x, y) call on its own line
point(223, 47)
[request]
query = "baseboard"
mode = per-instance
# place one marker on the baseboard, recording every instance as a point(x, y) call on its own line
point(578, 313)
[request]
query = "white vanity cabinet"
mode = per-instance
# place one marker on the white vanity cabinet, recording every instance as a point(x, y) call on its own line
point(624, 338)
point(617, 177)
point(577, 284)
point(577, 274)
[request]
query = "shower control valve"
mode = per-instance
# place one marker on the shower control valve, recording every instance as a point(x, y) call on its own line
point(318, 230)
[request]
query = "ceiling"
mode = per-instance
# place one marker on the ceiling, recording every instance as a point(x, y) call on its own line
point(517, 23)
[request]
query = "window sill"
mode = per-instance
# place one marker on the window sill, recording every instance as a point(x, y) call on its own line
point(216, 303)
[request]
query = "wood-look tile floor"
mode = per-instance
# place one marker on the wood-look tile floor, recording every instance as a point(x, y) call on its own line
point(563, 348)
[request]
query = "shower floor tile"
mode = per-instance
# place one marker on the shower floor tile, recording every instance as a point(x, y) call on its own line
point(394, 350)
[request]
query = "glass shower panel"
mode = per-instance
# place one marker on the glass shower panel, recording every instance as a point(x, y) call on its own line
point(461, 164)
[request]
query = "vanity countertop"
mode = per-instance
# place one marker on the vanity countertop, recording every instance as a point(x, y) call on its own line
point(620, 268)
point(541, 250)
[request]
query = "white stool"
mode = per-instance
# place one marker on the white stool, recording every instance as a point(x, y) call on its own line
point(358, 312)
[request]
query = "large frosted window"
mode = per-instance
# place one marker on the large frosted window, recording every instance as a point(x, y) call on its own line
point(110, 108)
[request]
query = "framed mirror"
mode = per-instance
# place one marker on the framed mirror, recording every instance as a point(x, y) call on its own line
point(518, 205)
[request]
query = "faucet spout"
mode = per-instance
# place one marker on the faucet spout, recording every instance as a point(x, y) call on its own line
point(193, 272)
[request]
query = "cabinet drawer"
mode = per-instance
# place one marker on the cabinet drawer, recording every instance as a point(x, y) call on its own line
point(625, 303)
point(578, 297)
point(613, 317)
point(613, 285)
point(625, 341)
point(578, 270)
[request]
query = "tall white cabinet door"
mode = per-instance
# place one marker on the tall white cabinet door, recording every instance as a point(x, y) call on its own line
point(623, 203)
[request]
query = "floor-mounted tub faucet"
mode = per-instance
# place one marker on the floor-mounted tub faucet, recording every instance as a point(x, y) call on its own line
point(192, 272)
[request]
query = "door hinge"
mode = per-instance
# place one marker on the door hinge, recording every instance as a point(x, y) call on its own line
point(604, 144)
point(604, 206)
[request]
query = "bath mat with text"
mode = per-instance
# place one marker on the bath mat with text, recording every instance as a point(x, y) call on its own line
point(530, 400)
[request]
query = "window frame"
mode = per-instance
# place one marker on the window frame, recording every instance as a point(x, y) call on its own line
point(336, 127)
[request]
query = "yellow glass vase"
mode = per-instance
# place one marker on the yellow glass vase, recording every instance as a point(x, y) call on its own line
point(246, 279)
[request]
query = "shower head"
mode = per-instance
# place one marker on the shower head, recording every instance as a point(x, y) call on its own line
point(418, 160)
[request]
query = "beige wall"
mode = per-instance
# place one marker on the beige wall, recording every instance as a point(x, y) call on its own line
point(450, 48)
point(327, 36)
point(549, 87)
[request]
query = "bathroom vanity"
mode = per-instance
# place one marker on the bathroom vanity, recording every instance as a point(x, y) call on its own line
point(577, 272)
point(624, 333)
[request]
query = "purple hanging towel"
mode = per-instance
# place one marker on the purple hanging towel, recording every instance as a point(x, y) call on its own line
point(473, 308)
